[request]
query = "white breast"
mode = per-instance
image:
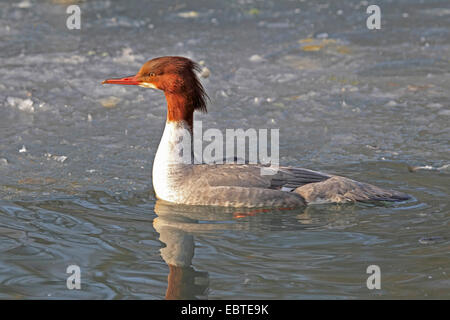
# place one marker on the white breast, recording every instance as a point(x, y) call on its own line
point(174, 155)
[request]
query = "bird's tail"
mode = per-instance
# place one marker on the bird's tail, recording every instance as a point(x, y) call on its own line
point(343, 190)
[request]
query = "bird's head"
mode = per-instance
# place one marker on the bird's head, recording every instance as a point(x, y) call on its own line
point(175, 76)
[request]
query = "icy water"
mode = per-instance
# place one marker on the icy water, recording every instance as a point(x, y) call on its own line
point(76, 156)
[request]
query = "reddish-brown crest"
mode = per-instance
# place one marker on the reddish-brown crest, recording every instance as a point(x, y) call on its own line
point(176, 77)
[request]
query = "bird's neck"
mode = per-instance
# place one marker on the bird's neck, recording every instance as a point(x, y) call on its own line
point(175, 150)
point(180, 108)
point(175, 147)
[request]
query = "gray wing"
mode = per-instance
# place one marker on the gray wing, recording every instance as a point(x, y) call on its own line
point(251, 176)
point(312, 186)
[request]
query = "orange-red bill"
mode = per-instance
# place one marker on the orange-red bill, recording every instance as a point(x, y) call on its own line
point(132, 80)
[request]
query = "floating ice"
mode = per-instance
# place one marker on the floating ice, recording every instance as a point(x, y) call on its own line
point(124, 22)
point(188, 14)
point(256, 58)
point(109, 102)
point(23, 4)
point(323, 35)
point(56, 158)
point(23, 149)
point(59, 158)
point(391, 103)
point(434, 105)
point(205, 72)
point(285, 77)
point(26, 105)
point(428, 167)
point(21, 104)
point(127, 56)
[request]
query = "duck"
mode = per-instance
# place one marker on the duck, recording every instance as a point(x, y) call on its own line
point(238, 185)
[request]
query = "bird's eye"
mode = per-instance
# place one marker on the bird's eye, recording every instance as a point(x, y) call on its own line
point(152, 74)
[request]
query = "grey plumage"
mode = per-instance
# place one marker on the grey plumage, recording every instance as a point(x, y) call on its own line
point(236, 185)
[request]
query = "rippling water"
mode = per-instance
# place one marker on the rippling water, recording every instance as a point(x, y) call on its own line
point(76, 157)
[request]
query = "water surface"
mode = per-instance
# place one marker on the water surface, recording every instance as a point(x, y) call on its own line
point(76, 157)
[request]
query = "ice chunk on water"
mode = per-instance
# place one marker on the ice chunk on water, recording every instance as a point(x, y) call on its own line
point(26, 105)
point(56, 158)
point(256, 58)
point(128, 56)
point(188, 14)
point(434, 105)
point(445, 167)
point(391, 103)
point(22, 104)
point(322, 35)
point(60, 158)
point(205, 72)
point(23, 4)
point(109, 102)
point(11, 101)
point(282, 78)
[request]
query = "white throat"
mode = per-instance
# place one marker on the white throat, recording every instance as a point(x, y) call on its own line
point(174, 154)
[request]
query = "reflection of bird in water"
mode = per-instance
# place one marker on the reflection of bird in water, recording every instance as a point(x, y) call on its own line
point(178, 225)
point(184, 282)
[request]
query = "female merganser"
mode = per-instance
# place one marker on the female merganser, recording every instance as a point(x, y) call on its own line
point(229, 185)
